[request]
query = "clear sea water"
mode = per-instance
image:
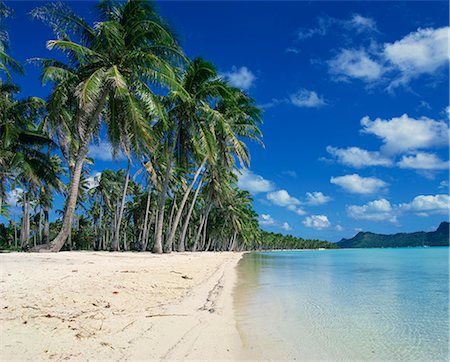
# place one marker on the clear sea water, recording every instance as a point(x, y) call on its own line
point(353, 304)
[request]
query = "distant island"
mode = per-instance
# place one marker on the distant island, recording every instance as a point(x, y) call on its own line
point(439, 237)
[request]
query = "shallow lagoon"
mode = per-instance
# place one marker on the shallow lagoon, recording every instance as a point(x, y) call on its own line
point(353, 304)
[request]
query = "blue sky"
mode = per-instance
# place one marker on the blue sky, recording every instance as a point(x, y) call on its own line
point(354, 97)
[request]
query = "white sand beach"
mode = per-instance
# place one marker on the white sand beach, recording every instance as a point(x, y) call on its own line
point(118, 306)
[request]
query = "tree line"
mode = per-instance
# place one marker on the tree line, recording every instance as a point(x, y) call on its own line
point(182, 129)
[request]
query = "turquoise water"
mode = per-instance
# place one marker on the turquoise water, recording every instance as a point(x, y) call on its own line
point(353, 304)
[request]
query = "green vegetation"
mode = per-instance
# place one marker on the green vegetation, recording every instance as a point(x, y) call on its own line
point(440, 237)
point(181, 127)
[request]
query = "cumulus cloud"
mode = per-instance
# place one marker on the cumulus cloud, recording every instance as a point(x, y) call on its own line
point(104, 151)
point(317, 222)
point(422, 51)
point(305, 98)
point(12, 196)
point(359, 185)
point(247, 180)
point(266, 220)
point(428, 204)
point(282, 198)
point(297, 210)
point(339, 228)
point(317, 198)
point(242, 77)
point(355, 63)
point(400, 134)
point(378, 210)
point(93, 180)
point(422, 161)
point(358, 157)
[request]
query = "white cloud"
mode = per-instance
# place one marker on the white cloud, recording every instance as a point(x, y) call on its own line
point(307, 99)
point(378, 210)
point(422, 161)
point(247, 180)
point(317, 222)
point(290, 173)
point(355, 63)
point(317, 198)
point(282, 198)
point(443, 184)
point(297, 210)
point(12, 196)
point(103, 151)
point(358, 157)
point(357, 22)
point(404, 133)
point(93, 180)
point(359, 185)
point(424, 204)
point(423, 51)
point(266, 220)
point(242, 77)
point(339, 228)
point(362, 23)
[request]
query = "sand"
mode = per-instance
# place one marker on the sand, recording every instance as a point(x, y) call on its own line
point(118, 306)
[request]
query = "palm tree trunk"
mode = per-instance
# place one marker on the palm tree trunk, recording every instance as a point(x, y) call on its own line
point(46, 235)
point(168, 246)
point(205, 228)
point(157, 248)
point(183, 202)
point(145, 228)
point(122, 206)
point(182, 245)
point(66, 228)
point(199, 233)
point(23, 228)
point(232, 244)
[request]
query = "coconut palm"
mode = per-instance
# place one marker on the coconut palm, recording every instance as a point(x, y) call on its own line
point(108, 76)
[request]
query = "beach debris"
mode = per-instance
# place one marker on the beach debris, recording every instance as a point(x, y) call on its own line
point(115, 292)
point(185, 277)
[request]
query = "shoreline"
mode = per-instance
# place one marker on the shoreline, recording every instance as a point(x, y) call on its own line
point(116, 306)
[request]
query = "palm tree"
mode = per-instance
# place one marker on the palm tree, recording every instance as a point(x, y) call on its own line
point(189, 114)
point(110, 69)
point(5, 60)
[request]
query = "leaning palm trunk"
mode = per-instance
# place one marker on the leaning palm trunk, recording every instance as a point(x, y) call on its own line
point(199, 233)
point(181, 206)
point(167, 245)
point(115, 245)
point(157, 248)
point(71, 204)
point(69, 212)
point(144, 231)
point(233, 242)
point(182, 245)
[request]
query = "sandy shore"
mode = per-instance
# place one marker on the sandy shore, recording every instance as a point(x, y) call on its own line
point(118, 306)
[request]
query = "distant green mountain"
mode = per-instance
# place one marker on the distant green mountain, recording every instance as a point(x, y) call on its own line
point(440, 237)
